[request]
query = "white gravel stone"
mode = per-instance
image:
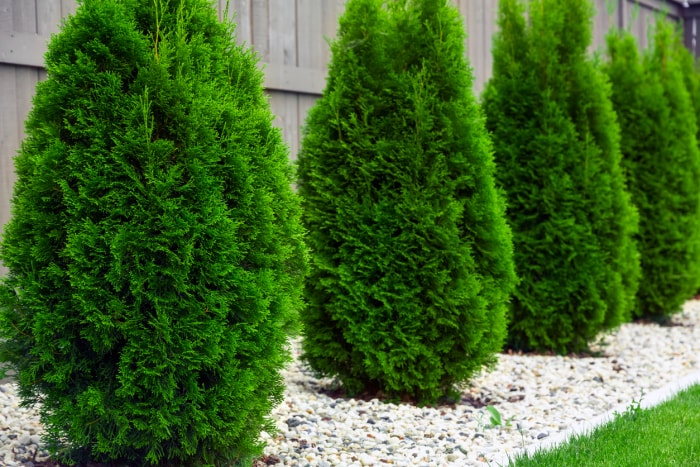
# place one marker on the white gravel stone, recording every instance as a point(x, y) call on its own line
point(538, 397)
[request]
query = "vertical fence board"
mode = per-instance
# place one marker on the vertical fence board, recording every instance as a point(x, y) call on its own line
point(68, 7)
point(24, 16)
point(305, 104)
point(476, 34)
point(282, 32)
point(331, 10)
point(48, 14)
point(260, 33)
point(285, 106)
point(6, 15)
point(24, 19)
point(240, 11)
point(645, 26)
point(310, 31)
point(283, 51)
point(9, 139)
point(26, 80)
point(491, 26)
point(310, 49)
point(602, 22)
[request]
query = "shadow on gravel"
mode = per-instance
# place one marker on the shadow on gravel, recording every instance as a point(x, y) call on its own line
point(263, 461)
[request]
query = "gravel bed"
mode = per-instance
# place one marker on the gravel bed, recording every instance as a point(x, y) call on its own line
point(537, 396)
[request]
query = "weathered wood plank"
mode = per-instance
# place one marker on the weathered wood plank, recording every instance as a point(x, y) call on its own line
point(310, 42)
point(21, 21)
point(242, 11)
point(476, 42)
point(294, 79)
point(26, 79)
point(261, 29)
point(490, 22)
point(24, 19)
point(331, 10)
point(602, 22)
point(642, 25)
point(24, 16)
point(283, 33)
point(68, 7)
point(6, 23)
point(22, 48)
point(285, 106)
point(9, 138)
point(48, 14)
point(305, 104)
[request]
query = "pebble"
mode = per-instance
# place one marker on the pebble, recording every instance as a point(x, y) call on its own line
point(537, 396)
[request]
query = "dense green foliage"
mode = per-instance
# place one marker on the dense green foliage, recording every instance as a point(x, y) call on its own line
point(556, 142)
point(690, 71)
point(155, 248)
point(411, 256)
point(661, 158)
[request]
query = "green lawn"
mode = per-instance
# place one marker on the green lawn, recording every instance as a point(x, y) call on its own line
point(665, 435)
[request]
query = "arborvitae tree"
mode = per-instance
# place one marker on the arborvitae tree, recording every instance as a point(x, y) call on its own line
point(155, 250)
point(556, 144)
point(661, 158)
point(690, 69)
point(411, 255)
point(691, 77)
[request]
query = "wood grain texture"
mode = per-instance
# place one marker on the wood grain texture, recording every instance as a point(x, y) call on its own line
point(24, 49)
point(240, 11)
point(24, 21)
point(293, 79)
point(6, 13)
point(260, 31)
point(48, 16)
point(282, 33)
point(331, 10)
point(310, 43)
point(285, 106)
point(10, 129)
point(24, 16)
point(305, 104)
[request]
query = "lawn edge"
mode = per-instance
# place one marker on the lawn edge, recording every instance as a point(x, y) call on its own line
point(648, 401)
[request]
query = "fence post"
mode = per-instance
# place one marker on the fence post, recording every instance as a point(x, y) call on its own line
point(622, 10)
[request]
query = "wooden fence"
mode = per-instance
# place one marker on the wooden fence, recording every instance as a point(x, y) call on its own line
point(289, 36)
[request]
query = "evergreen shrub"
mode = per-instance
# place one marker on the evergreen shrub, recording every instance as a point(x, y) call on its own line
point(155, 249)
point(411, 256)
point(691, 77)
point(557, 148)
point(660, 155)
